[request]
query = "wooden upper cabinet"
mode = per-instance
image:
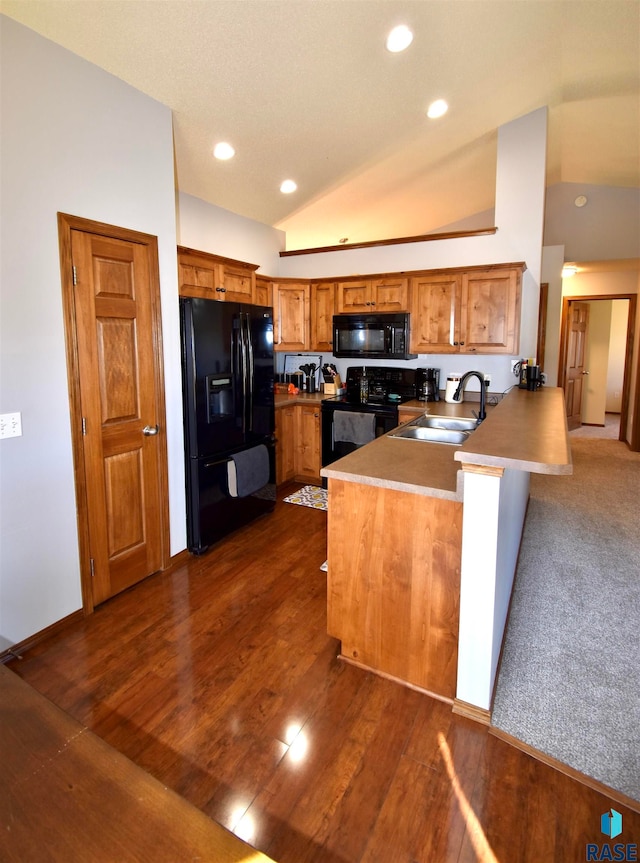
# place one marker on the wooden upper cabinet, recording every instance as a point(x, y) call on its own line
point(322, 311)
point(490, 311)
point(264, 291)
point(473, 311)
point(213, 277)
point(435, 300)
point(291, 316)
point(390, 295)
point(373, 295)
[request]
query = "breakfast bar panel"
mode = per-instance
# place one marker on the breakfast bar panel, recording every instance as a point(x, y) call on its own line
point(393, 583)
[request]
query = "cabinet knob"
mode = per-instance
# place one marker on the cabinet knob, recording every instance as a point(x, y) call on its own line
point(455, 344)
point(461, 344)
point(221, 290)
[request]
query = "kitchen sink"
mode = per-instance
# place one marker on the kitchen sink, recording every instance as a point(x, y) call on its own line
point(453, 430)
point(434, 435)
point(436, 422)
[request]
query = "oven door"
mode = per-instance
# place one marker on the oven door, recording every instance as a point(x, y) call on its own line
point(386, 419)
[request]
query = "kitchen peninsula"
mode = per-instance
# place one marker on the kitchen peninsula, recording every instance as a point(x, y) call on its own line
point(423, 540)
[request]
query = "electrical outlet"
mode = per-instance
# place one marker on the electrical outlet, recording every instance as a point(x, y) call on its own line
point(487, 381)
point(10, 425)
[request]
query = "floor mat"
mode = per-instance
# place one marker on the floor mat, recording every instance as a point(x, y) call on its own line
point(309, 495)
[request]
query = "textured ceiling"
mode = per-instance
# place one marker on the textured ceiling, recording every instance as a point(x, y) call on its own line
point(305, 89)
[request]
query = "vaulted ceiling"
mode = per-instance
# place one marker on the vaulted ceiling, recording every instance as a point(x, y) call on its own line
point(305, 89)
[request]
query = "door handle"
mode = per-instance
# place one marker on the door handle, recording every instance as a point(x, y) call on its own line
point(150, 430)
point(585, 373)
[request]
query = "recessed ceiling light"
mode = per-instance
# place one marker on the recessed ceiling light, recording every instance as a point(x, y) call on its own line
point(569, 270)
point(223, 151)
point(437, 109)
point(288, 186)
point(399, 39)
point(580, 201)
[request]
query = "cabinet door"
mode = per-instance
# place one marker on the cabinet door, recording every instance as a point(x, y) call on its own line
point(264, 291)
point(236, 283)
point(490, 311)
point(435, 304)
point(197, 277)
point(322, 309)
point(354, 297)
point(285, 444)
point(291, 309)
point(308, 434)
point(390, 295)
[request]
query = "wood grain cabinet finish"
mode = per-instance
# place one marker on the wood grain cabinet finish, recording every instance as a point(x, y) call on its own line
point(474, 311)
point(212, 277)
point(389, 294)
point(264, 291)
point(308, 442)
point(285, 444)
point(393, 594)
point(322, 311)
point(298, 443)
point(291, 316)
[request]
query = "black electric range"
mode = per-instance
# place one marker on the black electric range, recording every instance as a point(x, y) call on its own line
point(386, 388)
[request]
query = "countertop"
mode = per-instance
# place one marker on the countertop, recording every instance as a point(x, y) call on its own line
point(284, 399)
point(526, 431)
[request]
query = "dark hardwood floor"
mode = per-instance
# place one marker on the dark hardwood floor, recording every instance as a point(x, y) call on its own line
point(219, 679)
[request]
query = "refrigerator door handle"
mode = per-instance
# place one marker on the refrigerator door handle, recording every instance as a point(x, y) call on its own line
point(250, 372)
point(245, 371)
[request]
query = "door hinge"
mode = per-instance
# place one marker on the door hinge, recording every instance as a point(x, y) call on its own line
point(92, 566)
point(84, 426)
point(74, 274)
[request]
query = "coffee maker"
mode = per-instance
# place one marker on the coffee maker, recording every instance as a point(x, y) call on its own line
point(428, 385)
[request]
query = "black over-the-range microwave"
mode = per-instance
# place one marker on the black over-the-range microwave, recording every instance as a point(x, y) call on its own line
point(380, 337)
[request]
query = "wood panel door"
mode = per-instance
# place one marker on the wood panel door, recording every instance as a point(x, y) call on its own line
point(291, 317)
point(490, 312)
point(322, 310)
point(575, 371)
point(114, 336)
point(435, 303)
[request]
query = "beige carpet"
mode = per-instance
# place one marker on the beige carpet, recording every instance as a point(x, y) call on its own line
point(610, 430)
point(569, 682)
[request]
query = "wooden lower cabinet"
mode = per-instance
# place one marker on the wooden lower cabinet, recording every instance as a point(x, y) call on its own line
point(308, 442)
point(285, 444)
point(298, 443)
point(393, 587)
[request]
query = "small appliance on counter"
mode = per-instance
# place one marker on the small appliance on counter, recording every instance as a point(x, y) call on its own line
point(428, 385)
point(453, 382)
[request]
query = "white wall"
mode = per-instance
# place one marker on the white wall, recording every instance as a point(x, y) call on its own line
point(552, 261)
point(77, 140)
point(594, 394)
point(617, 345)
point(606, 228)
point(212, 229)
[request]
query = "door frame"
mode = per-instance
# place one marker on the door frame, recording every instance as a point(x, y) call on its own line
point(634, 442)
point(66, 224)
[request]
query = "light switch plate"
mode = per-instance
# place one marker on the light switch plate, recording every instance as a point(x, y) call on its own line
point(10, 425)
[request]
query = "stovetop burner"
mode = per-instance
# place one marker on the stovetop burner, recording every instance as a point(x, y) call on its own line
point(387, 385)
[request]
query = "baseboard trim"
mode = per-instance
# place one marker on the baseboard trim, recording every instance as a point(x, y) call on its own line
point(471, 711)
point(15, 650)
point(395, 679)
point(571, 772)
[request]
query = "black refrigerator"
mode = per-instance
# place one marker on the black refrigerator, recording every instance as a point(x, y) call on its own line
point(229, 420)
